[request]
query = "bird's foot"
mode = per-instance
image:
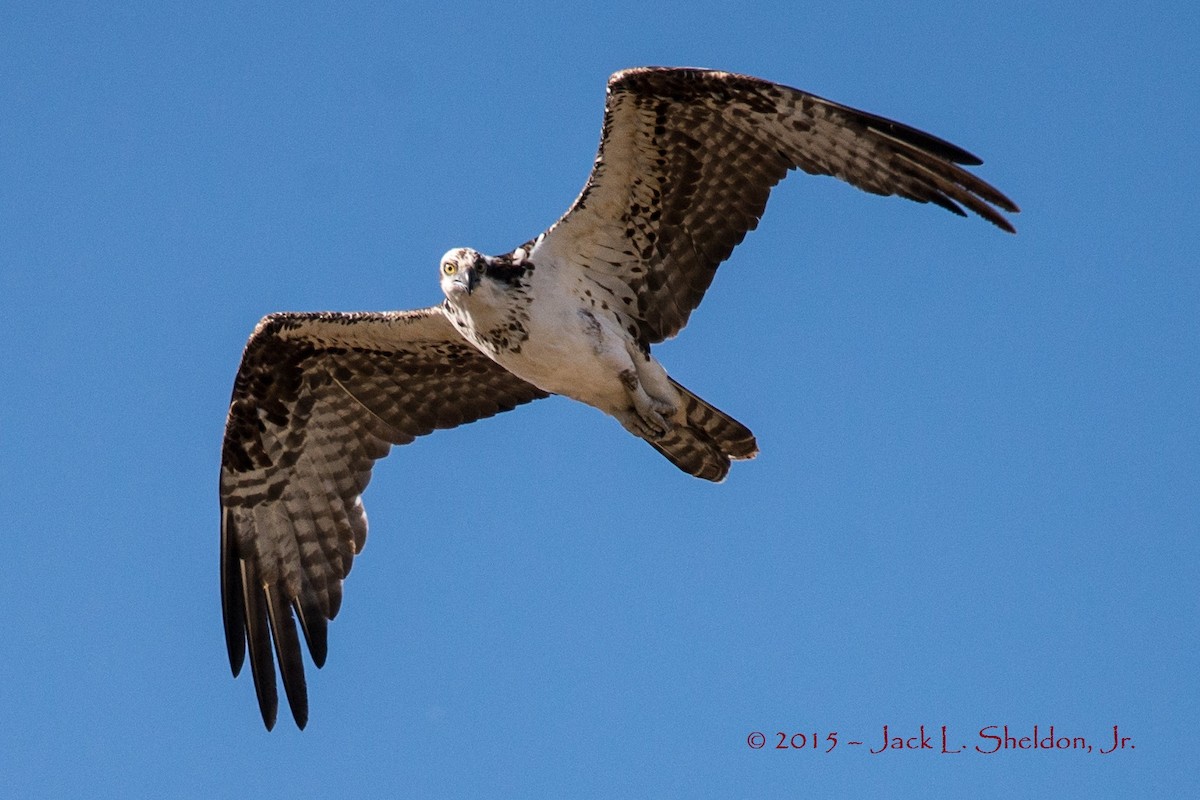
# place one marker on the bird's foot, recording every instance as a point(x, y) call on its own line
point(654, 417)
point(648, 416)
point(651, 427)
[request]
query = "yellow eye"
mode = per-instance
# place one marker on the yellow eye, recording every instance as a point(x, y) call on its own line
point(448, 268)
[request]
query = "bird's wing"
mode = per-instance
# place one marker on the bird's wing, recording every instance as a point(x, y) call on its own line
point(687, 158)
point(317, 399)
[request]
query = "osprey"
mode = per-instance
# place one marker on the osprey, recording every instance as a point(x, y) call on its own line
point(687, 158)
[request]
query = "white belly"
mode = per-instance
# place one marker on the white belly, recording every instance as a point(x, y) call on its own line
point(567, 342)
point(574, 353)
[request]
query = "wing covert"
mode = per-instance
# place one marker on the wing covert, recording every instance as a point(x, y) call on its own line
point(317, 399)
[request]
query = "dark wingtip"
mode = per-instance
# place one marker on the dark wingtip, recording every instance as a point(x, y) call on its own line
point(315, 628)
point(287, 653)
point(937, 156)
point(948, 204)
point(258, 633)
point(919, 138)
point(232, 610)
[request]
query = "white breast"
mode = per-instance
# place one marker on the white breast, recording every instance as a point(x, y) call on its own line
point(567, 349)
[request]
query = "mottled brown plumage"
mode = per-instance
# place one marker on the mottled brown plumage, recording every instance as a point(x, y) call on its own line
point(686, 162)
point(318, 398)
point(687, 159)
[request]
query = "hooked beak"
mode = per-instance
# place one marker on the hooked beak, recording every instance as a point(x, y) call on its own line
point(466, 281)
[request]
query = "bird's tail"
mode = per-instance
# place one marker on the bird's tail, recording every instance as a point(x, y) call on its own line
point(705, 439)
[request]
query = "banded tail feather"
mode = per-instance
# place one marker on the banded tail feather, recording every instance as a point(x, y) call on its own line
point(706, 440)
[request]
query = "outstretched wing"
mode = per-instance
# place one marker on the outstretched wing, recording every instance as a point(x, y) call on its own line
point(687, 158)
point(317, 399)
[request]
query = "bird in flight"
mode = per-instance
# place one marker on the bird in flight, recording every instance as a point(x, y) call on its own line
point(687, 158)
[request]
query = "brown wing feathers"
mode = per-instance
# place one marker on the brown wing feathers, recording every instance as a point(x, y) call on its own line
point(688, 157)
point(687, 160)
point(318, 398)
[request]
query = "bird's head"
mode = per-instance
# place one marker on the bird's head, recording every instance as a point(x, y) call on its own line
point(461, 271)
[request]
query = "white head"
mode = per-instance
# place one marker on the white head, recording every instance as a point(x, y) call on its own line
point(461, 270)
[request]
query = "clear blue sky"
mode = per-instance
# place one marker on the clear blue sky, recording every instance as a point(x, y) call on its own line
point(977, 499)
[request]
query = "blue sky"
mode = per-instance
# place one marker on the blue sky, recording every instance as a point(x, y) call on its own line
point(976, 502)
